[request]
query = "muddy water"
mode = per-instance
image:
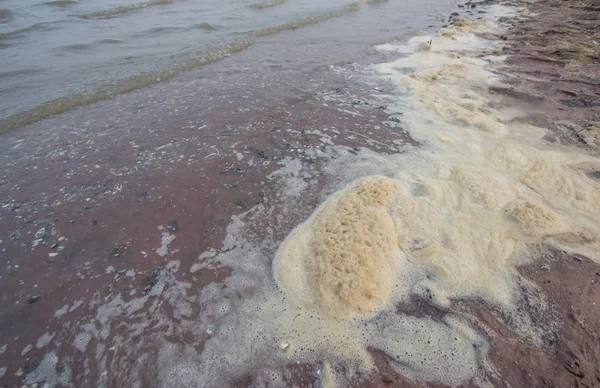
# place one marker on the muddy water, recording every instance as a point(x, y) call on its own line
point(58, 55)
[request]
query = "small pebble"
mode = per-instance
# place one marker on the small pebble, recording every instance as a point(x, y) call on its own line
point(284, 345)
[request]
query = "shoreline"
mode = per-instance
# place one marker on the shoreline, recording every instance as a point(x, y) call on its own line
point(110, 214)
point(203, 62)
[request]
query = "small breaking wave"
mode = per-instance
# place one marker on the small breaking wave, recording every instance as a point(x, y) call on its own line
point(33, 27)
point(76, 47)
point(111, 41)
point(61, 3)
point(61, 105)
point(204, 26)
point(114, 12)
point(354, 7)
point(128, 85)
point(159, 31)
point(13, 73)
point(267, 4)
point(87, 46)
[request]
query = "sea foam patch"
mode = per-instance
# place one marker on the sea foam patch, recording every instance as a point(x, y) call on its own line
point(457, 215)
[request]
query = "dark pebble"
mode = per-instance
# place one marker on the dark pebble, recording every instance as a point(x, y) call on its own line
point(150, 281)
point(387, 379)
point(33, 363)
point(33, 299)
point(94, 222)
point(173, 226)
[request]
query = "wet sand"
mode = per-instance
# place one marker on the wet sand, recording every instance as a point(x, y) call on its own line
point(96, 191)
point(100, 194)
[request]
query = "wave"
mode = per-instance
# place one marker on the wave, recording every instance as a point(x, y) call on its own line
point(13, 73)
point(114, 12)
point(159, 30)
point(128, 85)
point(76, 47)
point(131, 84)
point(33, 27)
point(354, 7)
point(61, 3)
point(111, 41)
point(204, 26)
point(267, 4)
point(167, 30)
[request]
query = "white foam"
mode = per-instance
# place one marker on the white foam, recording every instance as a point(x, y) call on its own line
point(290, 174)
point(166, 239)
point(62, 311)
point(75, 306)
point(48, 373)
point(26, 349)
point(44, 340)
point(82, 340)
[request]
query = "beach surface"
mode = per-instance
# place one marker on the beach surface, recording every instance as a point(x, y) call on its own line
point(185, 234)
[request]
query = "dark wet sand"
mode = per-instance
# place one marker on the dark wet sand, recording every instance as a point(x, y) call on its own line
point(106, 176)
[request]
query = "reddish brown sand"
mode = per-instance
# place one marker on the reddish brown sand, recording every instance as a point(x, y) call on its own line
point(107, 186)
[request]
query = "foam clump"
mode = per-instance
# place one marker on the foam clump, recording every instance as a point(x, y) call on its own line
point(347, 252)
point(532, 218)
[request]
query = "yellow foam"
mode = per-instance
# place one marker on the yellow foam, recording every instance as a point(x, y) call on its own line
point(463, 214)
point(349, 250)
point(449, 223)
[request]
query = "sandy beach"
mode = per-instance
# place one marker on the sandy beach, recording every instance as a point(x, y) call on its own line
point(117, 240)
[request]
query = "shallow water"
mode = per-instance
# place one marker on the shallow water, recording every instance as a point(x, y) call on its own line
point(77, 52)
